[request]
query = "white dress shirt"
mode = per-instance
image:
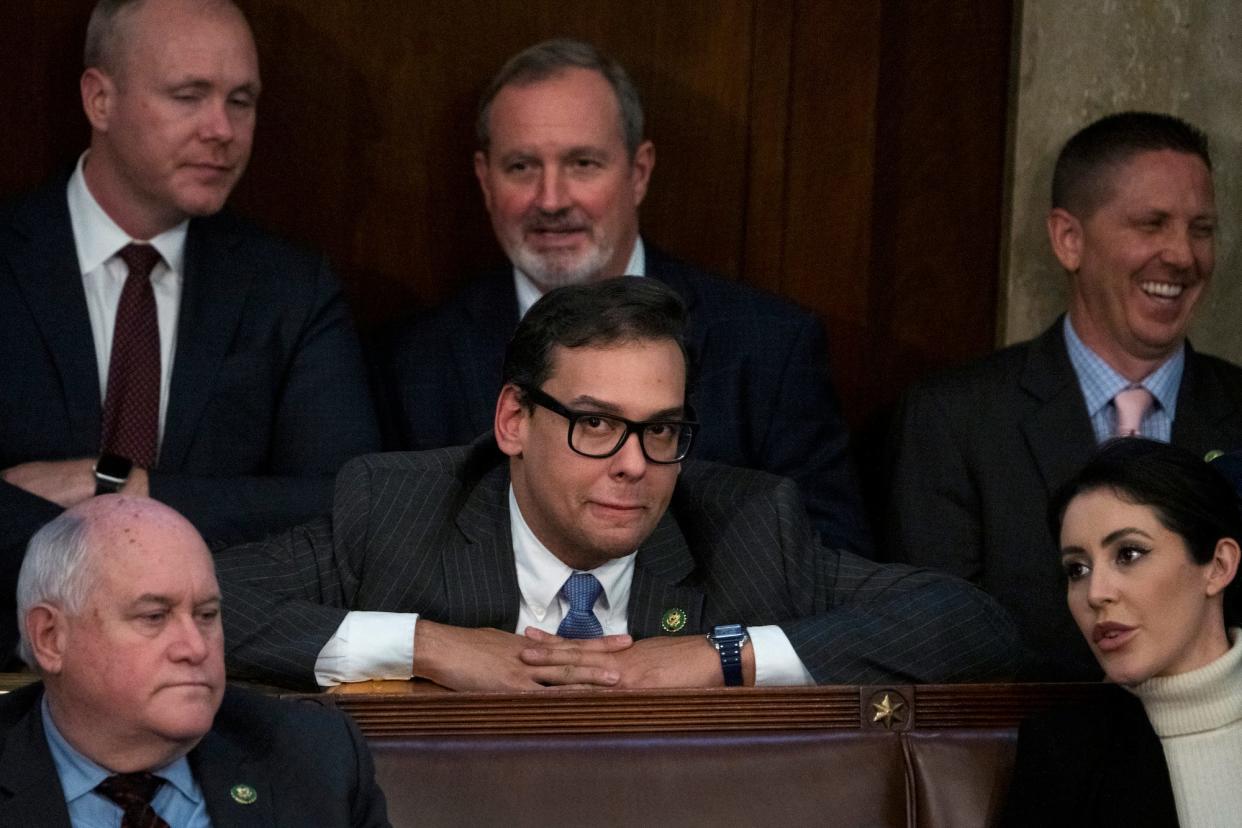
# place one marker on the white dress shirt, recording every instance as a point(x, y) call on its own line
point(380, 645)
point(98, 240)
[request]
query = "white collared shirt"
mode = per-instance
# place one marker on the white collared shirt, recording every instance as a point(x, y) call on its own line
point(528, 292)
point(98, 239)
point(380, 645)
point(540, 576)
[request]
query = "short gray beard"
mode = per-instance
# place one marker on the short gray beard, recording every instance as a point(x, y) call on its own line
point(551, 274)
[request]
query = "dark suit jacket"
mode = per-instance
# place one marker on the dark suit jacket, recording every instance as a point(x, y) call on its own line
point(760, 388)
point(429, 532)
point(978, 453)
point(269, 395)
point(1099, 764)
point(308, 764)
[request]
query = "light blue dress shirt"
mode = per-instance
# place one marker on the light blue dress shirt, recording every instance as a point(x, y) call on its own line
point(1100, 383)
point(179, 800)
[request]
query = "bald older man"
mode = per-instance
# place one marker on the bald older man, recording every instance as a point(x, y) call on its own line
point(120, 615)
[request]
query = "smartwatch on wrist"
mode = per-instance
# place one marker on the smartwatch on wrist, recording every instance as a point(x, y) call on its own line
point(728, 640)
point(111, 473)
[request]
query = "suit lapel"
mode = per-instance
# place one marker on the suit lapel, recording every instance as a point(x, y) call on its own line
point(212, 299)
point(30, 793)
point(663, 563)
point(47, 274)
point(219, 765)
point(1057, 428)
point(480, 575)
point(672, 273)
point(493, 306)
point(1203, 406)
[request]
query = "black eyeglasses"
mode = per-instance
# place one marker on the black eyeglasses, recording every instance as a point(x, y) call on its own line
point(592, 434)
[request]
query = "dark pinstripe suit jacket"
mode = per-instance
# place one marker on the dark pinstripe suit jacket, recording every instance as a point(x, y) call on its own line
point(429, 532)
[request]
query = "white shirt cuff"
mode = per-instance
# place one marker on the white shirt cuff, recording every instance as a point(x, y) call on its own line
point(368, 645)
point(776, 662)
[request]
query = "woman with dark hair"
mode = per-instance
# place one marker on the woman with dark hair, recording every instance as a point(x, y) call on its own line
point(1149, 540)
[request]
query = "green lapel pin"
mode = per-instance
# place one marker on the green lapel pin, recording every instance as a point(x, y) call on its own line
point(674, 620)
point(243, 794)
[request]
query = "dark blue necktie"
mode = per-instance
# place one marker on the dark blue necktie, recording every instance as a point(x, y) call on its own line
point(581, 590)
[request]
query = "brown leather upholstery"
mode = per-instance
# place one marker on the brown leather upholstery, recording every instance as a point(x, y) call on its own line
point(959, 777)
point(810, 756)
point(682, 780)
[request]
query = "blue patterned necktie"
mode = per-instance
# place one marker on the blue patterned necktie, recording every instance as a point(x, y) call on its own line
point(581, 590)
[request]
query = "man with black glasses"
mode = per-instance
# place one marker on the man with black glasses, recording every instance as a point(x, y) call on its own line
point(574, 547)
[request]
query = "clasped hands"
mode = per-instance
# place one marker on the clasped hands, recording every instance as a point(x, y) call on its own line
point(490, 659)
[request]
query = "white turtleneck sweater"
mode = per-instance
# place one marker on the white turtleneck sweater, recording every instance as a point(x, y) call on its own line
point(1198, 717)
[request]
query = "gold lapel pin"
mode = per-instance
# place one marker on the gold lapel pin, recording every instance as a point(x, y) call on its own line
point(674, 620)
point(244, 794)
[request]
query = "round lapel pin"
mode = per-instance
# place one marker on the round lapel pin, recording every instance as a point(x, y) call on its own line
point(244, 794)
point(674, 620)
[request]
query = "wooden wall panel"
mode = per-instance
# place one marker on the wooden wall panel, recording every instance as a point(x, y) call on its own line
point(375, 165)
point(845, 154)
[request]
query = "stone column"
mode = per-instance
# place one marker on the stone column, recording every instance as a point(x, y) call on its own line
point(1079, 61)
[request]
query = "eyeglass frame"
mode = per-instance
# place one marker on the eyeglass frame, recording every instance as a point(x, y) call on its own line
point(544, 400)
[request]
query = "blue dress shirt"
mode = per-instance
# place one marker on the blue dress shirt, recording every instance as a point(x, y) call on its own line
point(179, 800)
point(1100, 383)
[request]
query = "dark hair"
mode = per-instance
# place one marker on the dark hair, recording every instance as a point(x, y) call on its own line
point(551, 57)
point(1080, 181)
point(1188, 496)
point(608, 312)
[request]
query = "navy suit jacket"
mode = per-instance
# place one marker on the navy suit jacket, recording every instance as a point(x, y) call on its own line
point(979, 452)
point(1097, 764)
point(760, 385)
point(269, 394)
point(429, 532)
point(308, 764)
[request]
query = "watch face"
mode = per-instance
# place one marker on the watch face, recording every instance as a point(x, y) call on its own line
point(113, 467)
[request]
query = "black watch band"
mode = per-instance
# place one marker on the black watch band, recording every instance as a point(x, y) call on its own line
point(111, 473)
point(728, 640)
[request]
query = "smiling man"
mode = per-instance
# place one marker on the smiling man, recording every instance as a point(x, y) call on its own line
point(573, 546)
point(132, 724)
point(150, 342)
point(563, 166)
point(979, 450)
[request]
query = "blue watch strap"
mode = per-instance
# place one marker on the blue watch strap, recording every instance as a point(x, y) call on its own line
point(728, 640)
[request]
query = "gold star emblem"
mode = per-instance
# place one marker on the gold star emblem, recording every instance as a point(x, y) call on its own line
point(889, 712)
point(674, 620)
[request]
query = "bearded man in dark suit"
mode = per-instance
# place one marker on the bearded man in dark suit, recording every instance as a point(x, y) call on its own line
point(226, 381)
point(563, 167)
point(574, 546)
point(120, 616)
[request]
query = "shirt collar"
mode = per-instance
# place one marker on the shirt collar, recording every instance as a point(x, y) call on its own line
point(528, 292)
point(540, 574)
point(99, 238)
point(79, 775)
point(1100, 382)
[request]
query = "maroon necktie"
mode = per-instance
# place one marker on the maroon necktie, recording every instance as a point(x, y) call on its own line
point(131, 419)
point(133, 792)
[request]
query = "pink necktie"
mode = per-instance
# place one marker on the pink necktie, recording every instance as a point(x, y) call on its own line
point(1132, 404)
point(131, 416)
